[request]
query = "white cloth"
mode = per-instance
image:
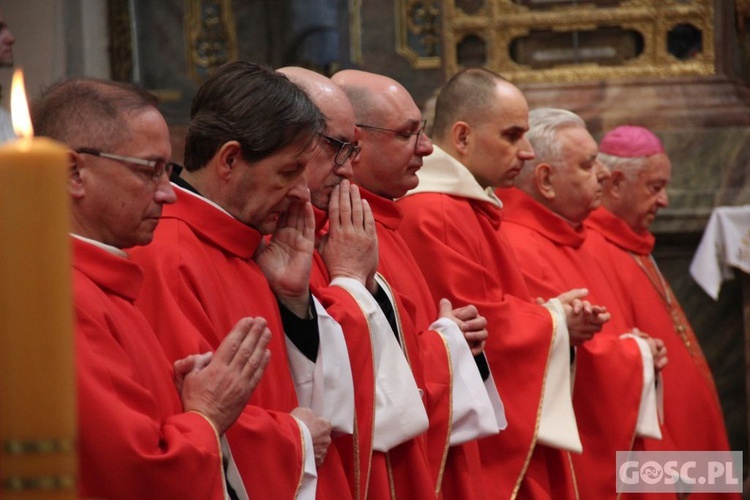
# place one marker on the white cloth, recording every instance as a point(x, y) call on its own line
point(477, 408)
point(309, 485)
point(558, 427)
point(232, 473)
point(325, 386)
point(652, 401)
point(6, 126)
point(725, 245)
point(447, 175)
point(400, 414)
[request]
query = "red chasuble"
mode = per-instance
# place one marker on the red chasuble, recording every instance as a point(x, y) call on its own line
point(200, 280)
point(135, 441)
point(402, 472)
point(456, 465)
point(465, 256)
point(692, 415)
point(609, 370)
point(355, 451)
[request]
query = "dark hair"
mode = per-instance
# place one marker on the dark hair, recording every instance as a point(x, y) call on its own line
point(88, 112)
point(253, 105)
point(467, 96)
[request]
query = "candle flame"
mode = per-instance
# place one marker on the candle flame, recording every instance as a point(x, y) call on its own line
point(19, 107)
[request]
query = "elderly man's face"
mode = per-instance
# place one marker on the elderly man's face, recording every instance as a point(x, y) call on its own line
point(578, 176)
point(323, 173)
point(6, 44)
point(646, 194)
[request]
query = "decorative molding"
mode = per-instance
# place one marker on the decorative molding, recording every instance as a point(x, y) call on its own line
point(500, 22)
point(355, 31)
point(418, 32)
point(120, 40)
point(211, 36)
point(742, 9)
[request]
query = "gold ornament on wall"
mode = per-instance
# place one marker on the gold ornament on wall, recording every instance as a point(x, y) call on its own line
point(577, 40)
point(418, 32)
point(211, 36)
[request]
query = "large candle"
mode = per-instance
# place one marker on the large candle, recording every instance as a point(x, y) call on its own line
point(37, 380)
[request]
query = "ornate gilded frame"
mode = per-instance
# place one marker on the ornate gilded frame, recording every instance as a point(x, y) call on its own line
point(499, 22)
point(418, 32)
point(209, 31)
point(211, 36)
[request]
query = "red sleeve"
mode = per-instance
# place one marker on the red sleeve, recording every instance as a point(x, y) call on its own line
point(132, 444)
point(609, 370)
point(266, 441)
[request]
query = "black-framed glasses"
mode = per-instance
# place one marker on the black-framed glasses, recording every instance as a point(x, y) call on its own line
point(158, 167)
point(405, 134)
point(344, 150)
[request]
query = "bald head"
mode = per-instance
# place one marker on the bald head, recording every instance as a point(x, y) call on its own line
point(373, 96)
point(326, 95)
point(472, 96)
point(332, 164)
point(391, 132)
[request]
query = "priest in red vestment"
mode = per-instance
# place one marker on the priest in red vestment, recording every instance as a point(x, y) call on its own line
point(543, 215)
point(452, 223)
point(389, 410)
point(640, 171)
point(251, 135)
point(458, 405)
point(146, 430)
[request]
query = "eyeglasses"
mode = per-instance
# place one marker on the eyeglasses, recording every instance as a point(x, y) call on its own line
point(344, 150)
point(401, 133)
point(158, 167)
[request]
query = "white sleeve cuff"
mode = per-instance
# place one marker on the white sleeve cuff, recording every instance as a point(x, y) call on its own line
point(309, 485)
point(474, 414)
point(333, 390)
point(647, 425)
point(558, 427)
point(399, 412)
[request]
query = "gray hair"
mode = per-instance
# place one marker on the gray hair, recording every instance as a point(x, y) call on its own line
point(544, 124)
point(628, 166)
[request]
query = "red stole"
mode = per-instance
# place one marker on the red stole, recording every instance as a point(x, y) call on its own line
point(453, 468)
point(356, 451)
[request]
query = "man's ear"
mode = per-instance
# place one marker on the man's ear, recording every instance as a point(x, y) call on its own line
point(615, 183)
point(460, 136)
point(228, 157)
point(76, 185)
point(543, 181)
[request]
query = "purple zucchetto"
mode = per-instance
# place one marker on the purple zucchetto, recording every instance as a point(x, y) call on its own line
point(629, 141)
